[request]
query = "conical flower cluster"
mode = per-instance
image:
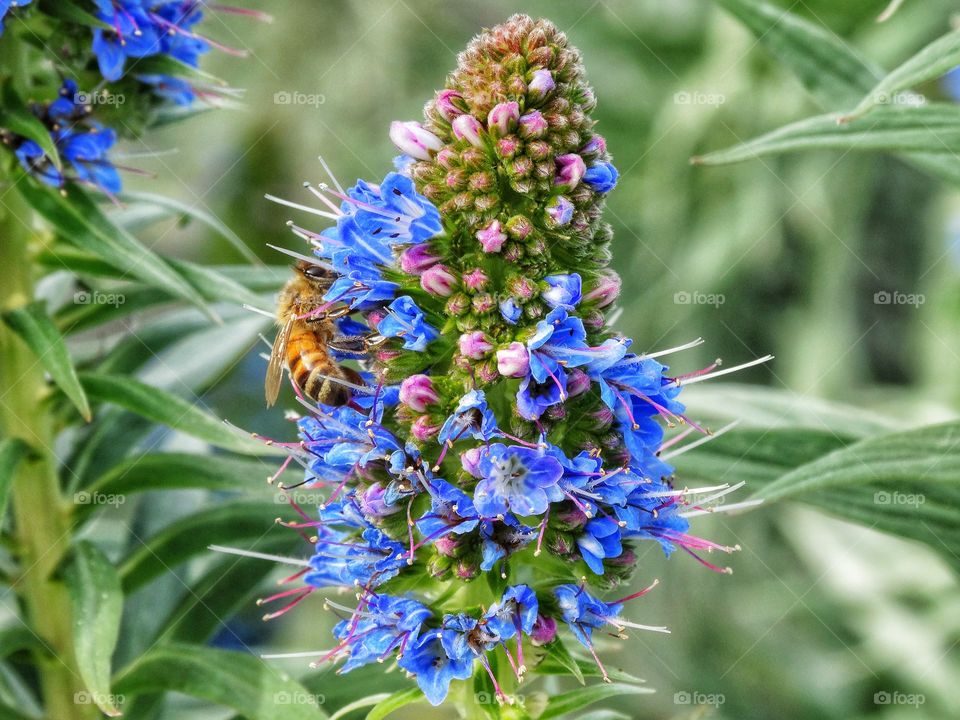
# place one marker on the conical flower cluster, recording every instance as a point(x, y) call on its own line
point(501, 459)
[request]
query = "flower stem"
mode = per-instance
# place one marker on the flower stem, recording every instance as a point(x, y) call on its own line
point(41, 519)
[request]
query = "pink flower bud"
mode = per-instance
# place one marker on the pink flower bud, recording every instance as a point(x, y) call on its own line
point(559, 211)
point(448, 157)
point(570, 170)
point(487, 372)
point(492, 237)
point(594, 146)
point(503, 118)
point(446, 545)
point(450, 104)
point(544, 630)
point(417, 258)
point(417, 392)
point(514, 360)
point(467, 127)
point(470, 460)
point(521, 287)
point(475, 279)
point(474, 345)
point(605, 290)
point(508, 146)
point(423, 428)
point(578, 382)
point(375, 316)
point(533, 125)
point(414, 140)
point(438, 280)
point(540, 85)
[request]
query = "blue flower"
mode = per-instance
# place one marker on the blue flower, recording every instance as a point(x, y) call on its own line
point(501, 538)
point(951, 84)
point(471, 419)
point(342, 440)
point(583, 612)
point(600, 539)
point(386, 623)
point(451, 510)
point(134, 34)
point(176, 90)
point(405, 320)
point(434, 668)
point(602, 177)
point(369, 561)
point(510, 311)
point(515, 612)
point(517, 479)
point(398, 213)
point(564, 290)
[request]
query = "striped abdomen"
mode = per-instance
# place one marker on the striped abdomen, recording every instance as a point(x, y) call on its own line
point(312, 368)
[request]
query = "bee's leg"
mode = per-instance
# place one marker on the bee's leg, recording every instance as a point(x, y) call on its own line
point(353, 346)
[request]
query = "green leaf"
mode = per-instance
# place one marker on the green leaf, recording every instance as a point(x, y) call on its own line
point(559, 652)
point(169, 65)
point(17, 638)
point(186, 538)
point(12, 452)
point(933, 128)
point(17, 117)
point(937, 58)
point(78, 220)
point(168, 409)
point(240, 681)
point(96, 603)
point(67, 10)
point(575, 699)
point(394, 702)
point(924, 455)
point(214, 286)
point(36, 329)
point(198, 214)
point(836, 76)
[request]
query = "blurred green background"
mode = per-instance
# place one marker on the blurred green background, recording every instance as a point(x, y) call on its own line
point(782, 255)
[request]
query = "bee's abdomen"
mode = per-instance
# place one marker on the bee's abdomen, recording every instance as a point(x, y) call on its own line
point(308, 362)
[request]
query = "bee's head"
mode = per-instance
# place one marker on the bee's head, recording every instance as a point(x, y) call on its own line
point(314, 273)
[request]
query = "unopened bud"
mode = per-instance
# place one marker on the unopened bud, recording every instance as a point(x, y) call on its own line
point(438, 280)
point(414, 140)
point(474, 345)
point(503, 118)
point(417, 392)
point(514, 360)
point(467, 127)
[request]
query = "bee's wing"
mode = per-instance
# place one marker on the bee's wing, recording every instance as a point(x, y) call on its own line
point(275, 366)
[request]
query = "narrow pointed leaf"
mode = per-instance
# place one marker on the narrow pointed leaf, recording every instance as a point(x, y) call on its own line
point(196, 213)
point(97, 604)
point(168, 409)
point(559, 653)
point(12, 452)
point(37, 330)
point(228, 524)
point(214, 286)
point(241, 681)
point(574, 700)
point(394, 702)
point(936, 59)
point(78, 220)
point(16, 117)
point(933, 128)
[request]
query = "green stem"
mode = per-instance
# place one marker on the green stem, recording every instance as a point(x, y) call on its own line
point(41, 517)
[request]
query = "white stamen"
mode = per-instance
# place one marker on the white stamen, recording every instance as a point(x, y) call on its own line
point(725, 491)
point(258, 556)
point(298, 206)
point(330, 174)
point(661, 353)
point(722, 508)
point(614, 316)
point(701, 441)
point(311, 653)
point(718, 373)
point(323, 198)
point(620, 622)
point(294, 254)
point(251, 308)
point(346, 383)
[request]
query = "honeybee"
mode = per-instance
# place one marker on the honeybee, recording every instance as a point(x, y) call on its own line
point(303, 344)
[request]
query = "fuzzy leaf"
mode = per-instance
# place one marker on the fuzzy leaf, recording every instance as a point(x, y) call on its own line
point(184, 539)
point(97, 603)
point(168, 409)
point(240, 681)
point(937, 58)
point(933, 128)
point(78, 220)
point(575, 699)
point(36, 329)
